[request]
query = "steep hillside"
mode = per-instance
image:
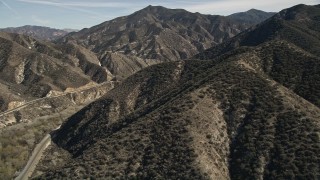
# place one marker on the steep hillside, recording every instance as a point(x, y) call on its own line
point(298, 25)
point(288, 49)
point(31, 68)
point(41, 84)
point(155, 34)
point(122, 66)
point(38, 32)
point(250, 112)
point(192, 120)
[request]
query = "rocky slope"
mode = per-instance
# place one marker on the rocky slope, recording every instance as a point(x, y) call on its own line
point(235, 116)
point(31, 68)
point(194, 127)
point(155, 34)
point(298, 25)
point(292, 41)
point(38, 32)
point(41, 84)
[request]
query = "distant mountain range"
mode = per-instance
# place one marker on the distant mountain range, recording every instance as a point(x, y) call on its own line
point(247, 108)
point(39, 32)
point(196, 96)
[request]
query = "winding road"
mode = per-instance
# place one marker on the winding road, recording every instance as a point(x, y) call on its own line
point(39, 149)
point(35, 158)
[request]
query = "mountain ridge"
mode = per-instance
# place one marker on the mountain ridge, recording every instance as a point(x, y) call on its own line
point(30, 68)
point(173, 108)
point(241, 110)
point(152, 34)
point(38, 32)
point(246, 108)
point(283, 28)
point(252, 16)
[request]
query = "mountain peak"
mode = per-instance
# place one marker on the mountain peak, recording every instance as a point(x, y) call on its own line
point(255, 11)
point(160, 10)
point(38, 32)
point(197, 115)
point(252, 16)
point(151, 32)
point(150, 7)
point(154, 8)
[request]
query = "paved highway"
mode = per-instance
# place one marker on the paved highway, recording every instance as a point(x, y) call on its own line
point(45, 142)
point(35, 158)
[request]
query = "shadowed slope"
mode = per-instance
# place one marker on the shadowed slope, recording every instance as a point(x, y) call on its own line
point(288, 49)
point(241, 115)
point(195, 127)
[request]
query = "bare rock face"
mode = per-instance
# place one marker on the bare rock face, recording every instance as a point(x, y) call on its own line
point(19, 73)
point(15, 104)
